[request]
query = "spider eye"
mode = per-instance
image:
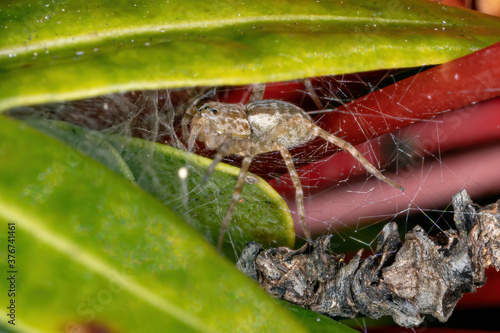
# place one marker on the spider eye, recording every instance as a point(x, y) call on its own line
point(207, 107)
point(214, 111)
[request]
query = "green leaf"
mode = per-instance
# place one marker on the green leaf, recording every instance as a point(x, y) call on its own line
point(322, 323)
point(262, 215)
point(51, 51)
point(94, 249)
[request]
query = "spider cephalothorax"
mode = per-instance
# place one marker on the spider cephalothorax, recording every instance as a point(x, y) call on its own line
point(216, 123)
point(260, 127)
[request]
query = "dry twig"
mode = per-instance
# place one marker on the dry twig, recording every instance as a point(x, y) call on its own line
point(424, 275)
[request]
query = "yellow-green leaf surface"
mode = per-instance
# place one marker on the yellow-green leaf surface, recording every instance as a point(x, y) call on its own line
point(93, 249)
point(56, 50)
point(322, 322)
point(261, 215)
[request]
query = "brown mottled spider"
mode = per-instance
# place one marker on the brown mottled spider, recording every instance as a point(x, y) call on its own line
point(255, 128)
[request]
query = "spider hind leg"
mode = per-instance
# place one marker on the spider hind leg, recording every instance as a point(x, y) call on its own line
point(299, 192)
point(355, 153)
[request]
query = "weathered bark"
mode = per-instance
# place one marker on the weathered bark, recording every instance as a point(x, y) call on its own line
point(424, 275)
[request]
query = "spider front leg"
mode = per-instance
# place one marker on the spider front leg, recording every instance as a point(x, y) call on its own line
point(186, 119)
point(195, 131)
point(247, 160)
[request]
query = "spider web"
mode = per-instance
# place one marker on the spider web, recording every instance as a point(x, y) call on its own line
point(428, 158)
point(411, 154)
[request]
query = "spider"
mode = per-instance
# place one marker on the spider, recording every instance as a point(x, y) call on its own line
point(255, 128)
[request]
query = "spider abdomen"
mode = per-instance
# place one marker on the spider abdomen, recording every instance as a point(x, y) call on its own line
point(279, 121)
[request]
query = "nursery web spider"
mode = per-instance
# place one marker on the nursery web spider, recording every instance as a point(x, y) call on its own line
point(258, 127)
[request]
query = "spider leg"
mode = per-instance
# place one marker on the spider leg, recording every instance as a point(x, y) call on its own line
point(355, 153)
point(257, 93)
point(312, 94)
point(299, 193)
point(194, 133)
point(258, 90)
point(221, 152)
point(188, 116)
point(185, 131)
point(247, 160)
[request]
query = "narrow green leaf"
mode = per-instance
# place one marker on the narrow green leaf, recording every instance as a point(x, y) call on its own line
point(262, 215)
point(52, 51)
point(91, 248)
point(322, 324)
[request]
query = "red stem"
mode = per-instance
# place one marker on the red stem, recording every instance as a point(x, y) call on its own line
point(450, 86)
point(470, 126)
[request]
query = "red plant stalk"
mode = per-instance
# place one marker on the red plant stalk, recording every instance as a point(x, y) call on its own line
point(453, 85)
point(429, 185)
point(450, 86)
point(467, 127)
point(459, 83)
